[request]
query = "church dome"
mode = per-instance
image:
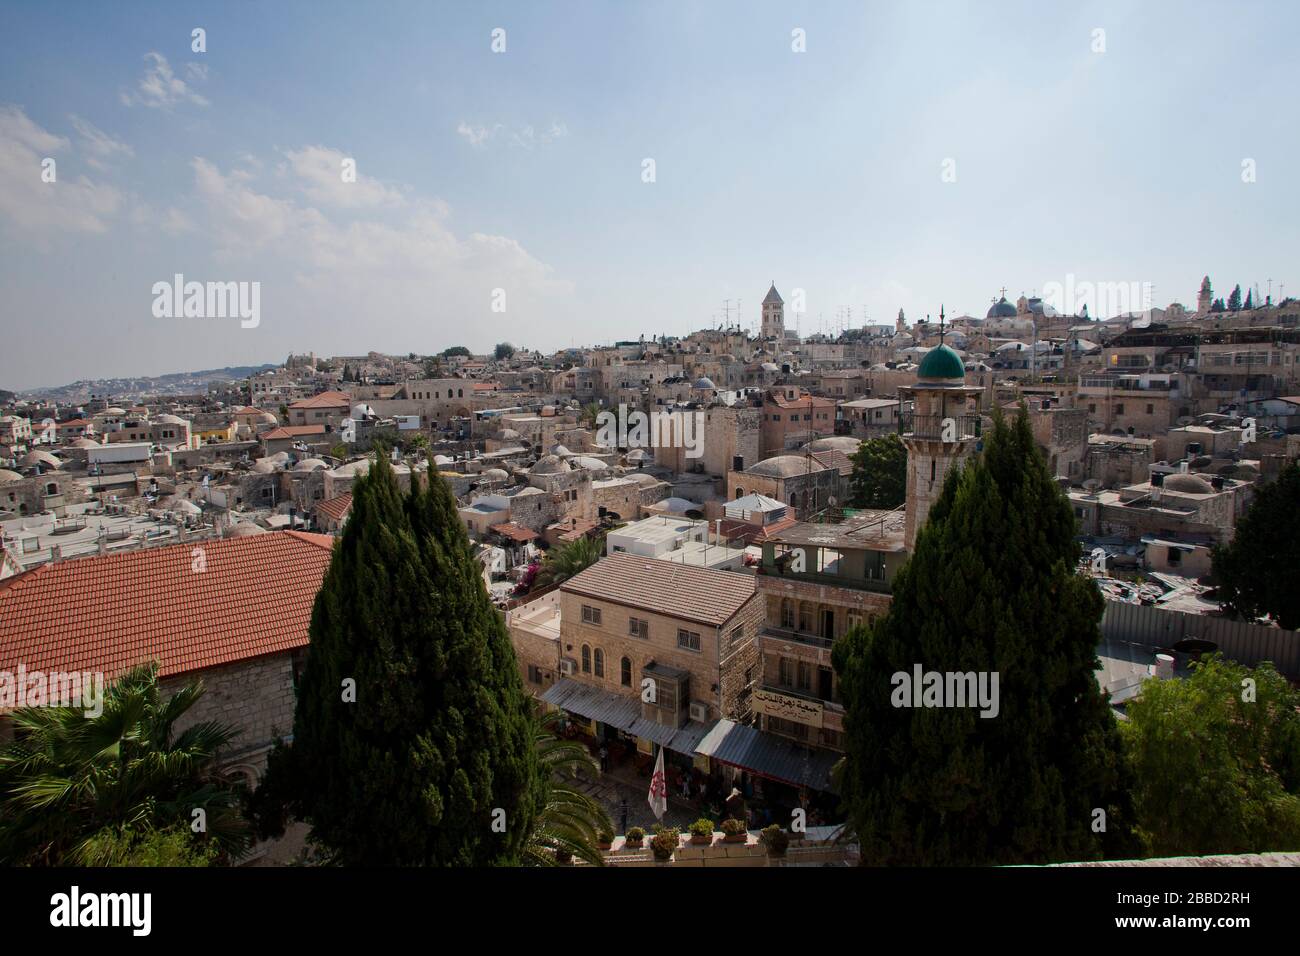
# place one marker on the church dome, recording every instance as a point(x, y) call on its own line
point(786, 466)
point(1001, 309)
point(941, 362)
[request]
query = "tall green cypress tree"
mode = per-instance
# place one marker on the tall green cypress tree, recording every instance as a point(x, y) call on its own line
point(440, 736)
point(991, 587)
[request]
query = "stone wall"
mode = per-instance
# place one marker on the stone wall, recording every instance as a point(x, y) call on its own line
point(255, 696)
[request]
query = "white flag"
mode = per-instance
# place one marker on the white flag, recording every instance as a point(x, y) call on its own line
point(659, 788)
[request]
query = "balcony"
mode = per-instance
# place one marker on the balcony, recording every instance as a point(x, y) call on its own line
point(796, 637)
point(932, 426)
point(877, 585)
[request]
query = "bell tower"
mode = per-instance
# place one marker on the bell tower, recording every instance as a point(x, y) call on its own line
point(773, 315)
point(942, 432)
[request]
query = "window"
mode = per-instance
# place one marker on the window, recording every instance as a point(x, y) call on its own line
point(787, 613)
point(534, 674)
point(1150, 409)
point(1092, 406)
point(1119, 409)
point(590, 615)
point(787, 727)
point(786, 674)
point(776, 418)
point(636, 627)
point(665, 695)
point(688, 639)
point(805, 616)
point(586, 658)
point(600, 663)
point(736, 636)
point(625, 672)
point(805, 675)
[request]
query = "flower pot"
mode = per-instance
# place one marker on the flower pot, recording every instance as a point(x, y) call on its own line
point(700, 840)
point(735, 837)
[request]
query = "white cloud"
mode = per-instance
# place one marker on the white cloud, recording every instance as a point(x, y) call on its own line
point(398, 273)
point(524, 137)
point(100, 148)
point(161, 88)
point(31, 206)
point(319, 173)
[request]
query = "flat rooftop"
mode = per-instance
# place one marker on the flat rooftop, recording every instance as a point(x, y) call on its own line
point(869, 529)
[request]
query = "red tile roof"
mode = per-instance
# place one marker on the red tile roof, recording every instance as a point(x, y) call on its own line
point(335, 508)
point(292, 431)
point(106, 614)
point(325, 400)
point(674, 590)
point(513, 531)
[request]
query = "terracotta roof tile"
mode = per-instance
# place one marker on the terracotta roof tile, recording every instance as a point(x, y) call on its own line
point(676, 590)
point(108, 613)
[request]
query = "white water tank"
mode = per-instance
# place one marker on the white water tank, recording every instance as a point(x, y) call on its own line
point(1164, 666)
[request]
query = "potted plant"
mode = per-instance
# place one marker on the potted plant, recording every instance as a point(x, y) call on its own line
point(733, 831)
point(701, 832)
point(775, 839)
point(664, 843)
point(635, 838)
point(604, 839)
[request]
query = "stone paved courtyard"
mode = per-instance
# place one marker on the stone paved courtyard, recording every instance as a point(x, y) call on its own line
point(609, 790)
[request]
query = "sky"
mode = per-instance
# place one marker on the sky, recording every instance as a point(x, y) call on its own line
point(618, 169)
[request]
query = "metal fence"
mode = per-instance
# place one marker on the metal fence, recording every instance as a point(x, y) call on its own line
point(1241, 641)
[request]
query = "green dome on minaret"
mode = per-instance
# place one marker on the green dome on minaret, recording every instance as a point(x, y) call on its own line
point(941, 362)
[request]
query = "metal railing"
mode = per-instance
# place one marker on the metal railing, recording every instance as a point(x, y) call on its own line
point(939, 427)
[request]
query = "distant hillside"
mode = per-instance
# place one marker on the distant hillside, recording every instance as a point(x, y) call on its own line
point(173, 382)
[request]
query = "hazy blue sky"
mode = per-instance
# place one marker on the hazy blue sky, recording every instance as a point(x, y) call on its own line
point(522, 170)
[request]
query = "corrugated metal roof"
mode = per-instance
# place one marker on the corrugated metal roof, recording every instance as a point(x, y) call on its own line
point(768, 755)
point(688, 738)
point(592, 702)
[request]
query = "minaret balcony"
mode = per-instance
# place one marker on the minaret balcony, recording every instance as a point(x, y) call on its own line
point(939, 427)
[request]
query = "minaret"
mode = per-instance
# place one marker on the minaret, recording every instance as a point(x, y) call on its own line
point(1204, 298)
point(773, 315)
point(943, 430)
point(899, 324)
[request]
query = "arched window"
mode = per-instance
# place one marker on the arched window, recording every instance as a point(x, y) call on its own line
point(460, 393)
point(600, 663)
point(586, 658)
point(625, 672)
point(740, 493)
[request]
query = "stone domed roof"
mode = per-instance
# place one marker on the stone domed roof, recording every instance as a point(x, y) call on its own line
point(494, 474)
point(641, 478)
point(639, 454)
point(7, 476)
point(509, 434)
point(170, 420)
point(245, 528)
point(550, 465)
point(184, 506)
point(1188, 484)
point(563, 452)
point(441, 460)
point(265, 466)
point(834, 443)
point(941, 362)
point(309, 464)
point(38, 457)
point(1001, 309)
point(786, 466)
point(705, 384)
point(352, 469)
point(85, 443)
point(113, 410)
point(591, 464)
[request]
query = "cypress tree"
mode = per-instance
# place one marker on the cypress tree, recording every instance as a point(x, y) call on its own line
point(440, 736)
point(990, 587)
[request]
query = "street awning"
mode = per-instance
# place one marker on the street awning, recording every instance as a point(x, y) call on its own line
point(768, 755)
point(593, 703)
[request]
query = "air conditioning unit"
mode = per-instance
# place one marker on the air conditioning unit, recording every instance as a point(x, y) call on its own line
point(568, 666)
point(699, 711)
